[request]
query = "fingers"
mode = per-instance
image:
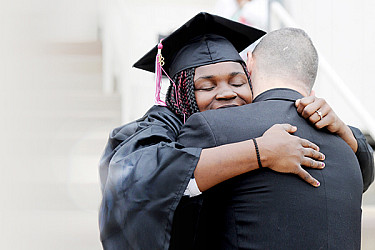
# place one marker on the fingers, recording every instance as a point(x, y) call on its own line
point(302, 103)
point(297, 102)
point(308, 144)
point(307, 177)
point(310, 109)
point(314, 154)
point(284, 126)
point(327, 120)
point(287, 127)
point(324, 110)
point(308, 106)
point(311, 163)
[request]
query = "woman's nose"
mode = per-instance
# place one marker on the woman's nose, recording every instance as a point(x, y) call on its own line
point(226, 93)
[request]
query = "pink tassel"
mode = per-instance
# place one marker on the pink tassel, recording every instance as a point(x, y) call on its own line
point(159, 62)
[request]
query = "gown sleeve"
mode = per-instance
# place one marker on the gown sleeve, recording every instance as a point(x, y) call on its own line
point(144, 173)
point(365, 156)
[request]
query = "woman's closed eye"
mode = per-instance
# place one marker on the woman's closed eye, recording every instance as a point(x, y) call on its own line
point(237, 84)
point(238, 81)
point(205, 87)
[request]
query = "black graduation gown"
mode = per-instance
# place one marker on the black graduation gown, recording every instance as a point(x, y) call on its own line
point(144, 174)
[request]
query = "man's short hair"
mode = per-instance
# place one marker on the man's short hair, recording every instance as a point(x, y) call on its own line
point(287, 53)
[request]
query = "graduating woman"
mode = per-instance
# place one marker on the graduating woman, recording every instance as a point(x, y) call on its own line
point(144, 173)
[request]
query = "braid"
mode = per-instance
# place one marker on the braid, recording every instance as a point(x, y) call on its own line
point(243, 64)
point(184, 103)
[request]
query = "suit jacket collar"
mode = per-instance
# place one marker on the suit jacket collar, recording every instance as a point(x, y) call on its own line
point(279, 94)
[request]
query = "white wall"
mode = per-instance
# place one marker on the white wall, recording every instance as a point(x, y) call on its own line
point(134, 28)
point(343, 31)
point(55, 21)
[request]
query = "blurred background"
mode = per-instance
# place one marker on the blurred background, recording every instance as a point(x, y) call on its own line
point(66, 80)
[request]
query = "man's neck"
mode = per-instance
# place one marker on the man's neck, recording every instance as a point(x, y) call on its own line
point(260, 86)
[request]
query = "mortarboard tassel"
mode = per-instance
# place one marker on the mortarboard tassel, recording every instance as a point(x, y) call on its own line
point(159, 62)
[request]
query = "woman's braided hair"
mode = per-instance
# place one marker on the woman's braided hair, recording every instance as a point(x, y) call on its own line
point(183, 87)
point(180, 96)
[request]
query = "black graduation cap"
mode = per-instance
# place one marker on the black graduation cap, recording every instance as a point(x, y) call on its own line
point(204, 39)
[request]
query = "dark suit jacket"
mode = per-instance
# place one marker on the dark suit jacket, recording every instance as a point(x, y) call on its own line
point(264, 209)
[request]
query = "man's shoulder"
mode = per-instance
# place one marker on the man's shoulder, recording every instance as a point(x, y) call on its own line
point(197, 132)
point(215, 127)
point(225, 113)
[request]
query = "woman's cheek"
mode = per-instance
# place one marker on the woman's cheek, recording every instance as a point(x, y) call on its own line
point(204, 99)
point(245, 94)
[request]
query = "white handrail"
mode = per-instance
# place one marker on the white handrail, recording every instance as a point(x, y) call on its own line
point(367, 119)
point(282, 14)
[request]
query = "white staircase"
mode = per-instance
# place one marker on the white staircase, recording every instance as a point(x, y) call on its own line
point(53, 197)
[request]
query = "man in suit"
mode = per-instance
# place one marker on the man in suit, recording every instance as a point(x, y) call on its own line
point(264, 209)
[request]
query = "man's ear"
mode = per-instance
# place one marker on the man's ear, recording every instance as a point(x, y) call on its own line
point(250, 62)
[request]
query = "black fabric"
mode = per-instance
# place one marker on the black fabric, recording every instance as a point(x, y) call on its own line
point(144, 174)
point(204, 39)
point(264, 209)
point(203, 50)
point(365, 157)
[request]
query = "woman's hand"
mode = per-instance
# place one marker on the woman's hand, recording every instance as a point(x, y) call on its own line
point(318, 112)
point(285, 153)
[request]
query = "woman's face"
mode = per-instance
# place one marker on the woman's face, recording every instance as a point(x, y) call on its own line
point(221, 85)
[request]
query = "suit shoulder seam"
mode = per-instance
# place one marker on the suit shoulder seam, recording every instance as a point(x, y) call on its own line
point(209, 127)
